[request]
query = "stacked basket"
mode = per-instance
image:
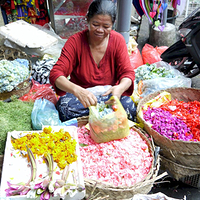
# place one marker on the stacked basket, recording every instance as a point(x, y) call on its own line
point(8, 53)
point(180, 158)
point(123, 192)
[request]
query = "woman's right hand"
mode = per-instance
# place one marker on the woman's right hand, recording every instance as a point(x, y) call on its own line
point(86, 97)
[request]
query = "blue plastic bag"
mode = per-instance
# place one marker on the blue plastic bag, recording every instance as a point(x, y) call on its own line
point(44, 113)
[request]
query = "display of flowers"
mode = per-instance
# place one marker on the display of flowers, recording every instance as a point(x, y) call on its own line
point(122, 162)
point(146, 72)
point(174, 119)
point(12, 73)
point(48, 158)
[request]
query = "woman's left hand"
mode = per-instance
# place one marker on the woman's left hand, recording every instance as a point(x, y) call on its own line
point(118, 90)
point(115, 91)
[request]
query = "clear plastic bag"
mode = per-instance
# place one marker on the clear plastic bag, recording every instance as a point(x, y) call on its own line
point(150, 86)
point(111, 126)
point(158, 76)
point(44, 113)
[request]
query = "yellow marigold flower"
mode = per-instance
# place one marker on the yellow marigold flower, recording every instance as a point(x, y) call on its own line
point(60, 144)
point(47, 130)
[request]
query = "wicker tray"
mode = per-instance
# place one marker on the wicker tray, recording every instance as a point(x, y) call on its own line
point(123, 192)
point(24, 87)
point(181, 152)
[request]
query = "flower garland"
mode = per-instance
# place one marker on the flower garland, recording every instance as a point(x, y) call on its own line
point(51, 142)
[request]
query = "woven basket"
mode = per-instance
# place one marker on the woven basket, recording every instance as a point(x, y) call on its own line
point(24, 87)
point(188, 175)
point(123, 192)
point(181, 152)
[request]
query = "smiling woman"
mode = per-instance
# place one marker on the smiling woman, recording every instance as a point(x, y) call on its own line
point(96, 56)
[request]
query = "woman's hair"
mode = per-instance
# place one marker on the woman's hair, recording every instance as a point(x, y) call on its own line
point(102, 7)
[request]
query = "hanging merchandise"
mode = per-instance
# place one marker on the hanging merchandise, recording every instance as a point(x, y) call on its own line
point(154, 10)
point(31, 11)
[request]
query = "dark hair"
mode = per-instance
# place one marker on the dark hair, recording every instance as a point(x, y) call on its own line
point(105, 7)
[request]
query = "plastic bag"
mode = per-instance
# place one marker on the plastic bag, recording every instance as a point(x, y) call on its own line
point(153, 85)
point(44, 113)
point(157, 76)
point(156, 196)
point(107, 125)
point(39, 91)
point(161, 49)
point(136, 59)
point(151, 55)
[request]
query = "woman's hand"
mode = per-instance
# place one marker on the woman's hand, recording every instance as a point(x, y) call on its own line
point(86, 97)
point(115, 91)
point(118, 90)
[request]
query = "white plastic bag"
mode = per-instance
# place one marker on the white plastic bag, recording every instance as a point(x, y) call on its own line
point(158, 76)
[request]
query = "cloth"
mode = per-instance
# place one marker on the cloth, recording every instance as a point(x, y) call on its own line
point(70, 107)
point(41, 69)
point(76, 60)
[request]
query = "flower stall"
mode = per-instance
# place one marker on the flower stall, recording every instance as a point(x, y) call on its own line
point(65, 162)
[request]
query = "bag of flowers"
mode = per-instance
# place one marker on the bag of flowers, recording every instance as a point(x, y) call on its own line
point(172, 118)
point(108, 121)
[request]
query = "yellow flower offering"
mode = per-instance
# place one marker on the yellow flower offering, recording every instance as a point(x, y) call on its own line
point(58, 143)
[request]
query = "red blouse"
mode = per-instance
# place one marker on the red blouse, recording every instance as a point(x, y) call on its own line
point(77, 61)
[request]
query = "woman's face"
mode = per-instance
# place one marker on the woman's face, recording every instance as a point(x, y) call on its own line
point(99, 26)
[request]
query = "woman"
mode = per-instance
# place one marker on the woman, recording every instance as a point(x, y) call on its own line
point(97, 56)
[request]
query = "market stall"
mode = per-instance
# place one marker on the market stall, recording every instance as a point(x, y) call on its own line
point(116, 168)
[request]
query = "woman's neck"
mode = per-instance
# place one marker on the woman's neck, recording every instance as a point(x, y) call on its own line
point(97, 43)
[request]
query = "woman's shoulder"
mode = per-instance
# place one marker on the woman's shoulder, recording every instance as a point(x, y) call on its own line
point(79, 36)
point(116, 36)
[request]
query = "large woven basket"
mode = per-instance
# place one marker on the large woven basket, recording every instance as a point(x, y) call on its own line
point(123, 192)
point(188, 175)
point(24, 87)
point(186, 153)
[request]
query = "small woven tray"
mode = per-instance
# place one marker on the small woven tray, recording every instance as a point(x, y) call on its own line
point(182, 152)
point(123, 192)
point(24, 87)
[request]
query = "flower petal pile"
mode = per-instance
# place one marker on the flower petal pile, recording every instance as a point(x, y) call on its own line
point(176, 120)
point(122, 162)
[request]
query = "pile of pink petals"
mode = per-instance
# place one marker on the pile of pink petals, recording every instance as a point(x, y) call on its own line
point(123, 162)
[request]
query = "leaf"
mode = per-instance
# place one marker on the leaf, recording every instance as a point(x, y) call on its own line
point(83, 145)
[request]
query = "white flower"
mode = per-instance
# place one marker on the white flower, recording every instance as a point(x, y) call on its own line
point(32, 194)
point(51, 186)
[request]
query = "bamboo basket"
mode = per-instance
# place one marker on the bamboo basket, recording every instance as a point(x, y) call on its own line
point(123, 192)
point(187, 175)
point(185, 153)
point(24, 87)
